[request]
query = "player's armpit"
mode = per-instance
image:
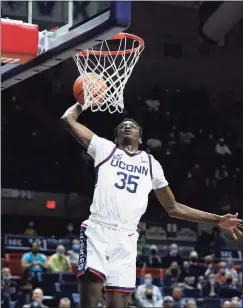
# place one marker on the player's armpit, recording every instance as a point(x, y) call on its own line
point(81, 133)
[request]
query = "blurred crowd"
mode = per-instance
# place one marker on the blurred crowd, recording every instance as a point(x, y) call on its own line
point(170, 276)
point(178, 281)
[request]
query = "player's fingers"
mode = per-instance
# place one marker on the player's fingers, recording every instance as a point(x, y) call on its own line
point(240, 226)
point(233, 234)
point(238, 231)
point(239, 221)
point(236, 220)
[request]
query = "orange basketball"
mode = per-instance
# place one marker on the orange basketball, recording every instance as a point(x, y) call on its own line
point(96, 87)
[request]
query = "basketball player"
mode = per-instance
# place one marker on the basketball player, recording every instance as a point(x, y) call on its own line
point(124, 178)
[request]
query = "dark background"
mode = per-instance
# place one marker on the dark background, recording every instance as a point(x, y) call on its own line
point(198, 84)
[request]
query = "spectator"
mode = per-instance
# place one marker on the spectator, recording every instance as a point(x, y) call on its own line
point(220, 276)
point(70, 234)
point(65, 303)
point(186, 137)
point(167, 152)
point(142, 242)
point(152, 104)
point(241, 275)
point(208, 266)
point(226, 304)
point(168, 302)
point(24, 296)
point(191, 304)
point(171, 141)
point(147, 294)
point(189, 283)
point(154, 258)
point(9, 287)
point(235, 303)
point(211, 287)
point(73, 254)
point(37, 297)
point(208, 260)
point(177, 296)
point(229, 289)
point(195, 269)
point(230, 270)
point(185, 271)
point(229, 282)
point(34, 262)
point(222, 148)
point(221, 174)
point(172, 256)
point(58, 262)
point(30, 230)
point(154, 143)
point(200, 283)
point(172, 274)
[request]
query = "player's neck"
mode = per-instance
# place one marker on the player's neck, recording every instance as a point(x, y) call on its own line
point(129, 148)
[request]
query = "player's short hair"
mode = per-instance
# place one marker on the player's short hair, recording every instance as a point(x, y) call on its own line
point(129, 120)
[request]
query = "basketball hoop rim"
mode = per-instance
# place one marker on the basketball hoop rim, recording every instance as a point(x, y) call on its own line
point(118, 36)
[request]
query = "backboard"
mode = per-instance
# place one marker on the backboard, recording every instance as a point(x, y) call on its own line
point(81, 24)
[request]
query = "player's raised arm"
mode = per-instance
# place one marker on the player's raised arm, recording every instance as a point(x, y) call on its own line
point(177, 210)
point(81, 133)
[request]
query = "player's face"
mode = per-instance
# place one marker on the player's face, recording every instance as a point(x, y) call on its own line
point(128, 130)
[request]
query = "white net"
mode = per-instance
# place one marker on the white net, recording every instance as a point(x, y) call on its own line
point(105, 71)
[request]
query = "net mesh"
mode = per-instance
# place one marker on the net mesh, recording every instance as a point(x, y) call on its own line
point(113, 62)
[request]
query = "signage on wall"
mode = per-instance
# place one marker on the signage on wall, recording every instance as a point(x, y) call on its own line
point(17, 194)
point(23, 243)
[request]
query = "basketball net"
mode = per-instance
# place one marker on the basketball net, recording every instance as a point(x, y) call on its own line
point(113, 67)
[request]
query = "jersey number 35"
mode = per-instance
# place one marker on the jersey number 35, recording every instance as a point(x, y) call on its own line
point(128, 182)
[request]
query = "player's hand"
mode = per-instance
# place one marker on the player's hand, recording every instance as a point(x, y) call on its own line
point(231, 223)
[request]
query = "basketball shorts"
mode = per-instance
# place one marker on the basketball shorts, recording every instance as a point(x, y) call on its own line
point(109, 250)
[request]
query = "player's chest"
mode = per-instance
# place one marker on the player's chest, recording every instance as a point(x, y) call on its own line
point(136, 164)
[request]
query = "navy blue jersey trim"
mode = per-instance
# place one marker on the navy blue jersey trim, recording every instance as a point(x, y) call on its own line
point(150, 165)
point(107, 158)
point(102, 163)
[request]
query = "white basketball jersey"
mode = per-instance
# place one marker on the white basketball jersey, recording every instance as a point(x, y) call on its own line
point(123, 181)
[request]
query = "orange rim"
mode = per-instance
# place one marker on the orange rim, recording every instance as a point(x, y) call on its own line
point(118, 36)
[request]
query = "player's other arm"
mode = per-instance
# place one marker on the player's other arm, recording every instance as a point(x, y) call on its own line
point(177, 210)
point(81, 133)
point(181, 211)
